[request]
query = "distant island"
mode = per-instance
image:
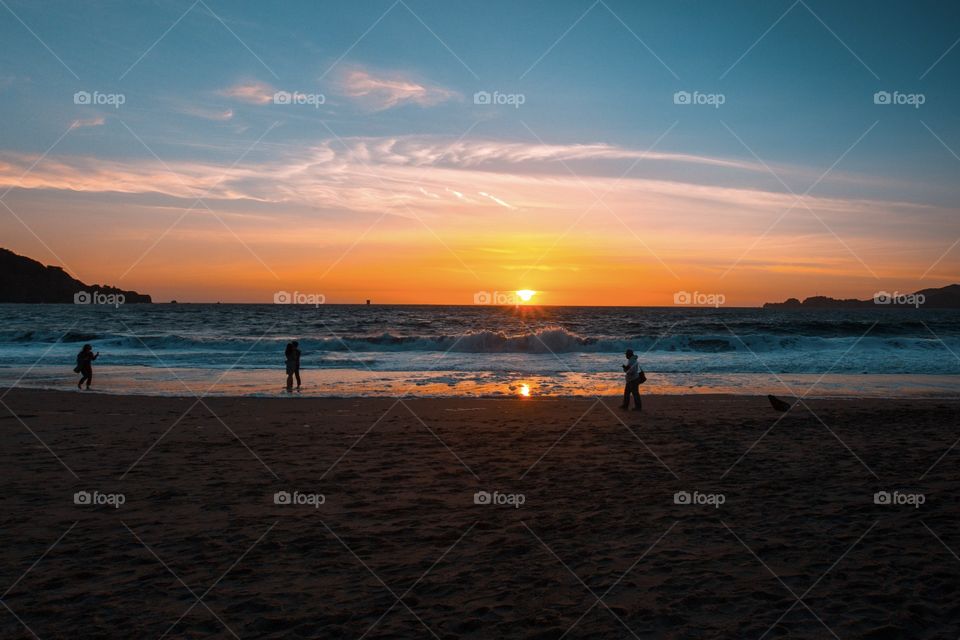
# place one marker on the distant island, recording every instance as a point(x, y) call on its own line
point(28, 281)
point(938, 298)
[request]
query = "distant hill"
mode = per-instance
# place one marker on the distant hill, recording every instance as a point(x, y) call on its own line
point(938, 298)
point(26, 280)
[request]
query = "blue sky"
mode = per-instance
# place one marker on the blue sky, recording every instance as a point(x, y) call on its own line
point(797, 81)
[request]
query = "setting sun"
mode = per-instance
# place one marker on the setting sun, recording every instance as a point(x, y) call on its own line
point(526, 294)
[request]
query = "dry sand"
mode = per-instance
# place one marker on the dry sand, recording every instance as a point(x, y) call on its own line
point(400, 550)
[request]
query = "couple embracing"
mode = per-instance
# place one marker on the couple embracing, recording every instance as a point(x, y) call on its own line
point(634, 378)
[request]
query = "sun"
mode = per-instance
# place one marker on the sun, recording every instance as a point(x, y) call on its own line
point(526, 295)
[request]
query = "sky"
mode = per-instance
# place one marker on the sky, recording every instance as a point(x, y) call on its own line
point(411, 151)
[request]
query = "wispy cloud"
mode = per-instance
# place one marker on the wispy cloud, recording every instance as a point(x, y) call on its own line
point(395, 176)
point(379, 91)
point(459, 195)
point(252, 92)
point(87, 122)
point(500, 202)
point(426, 150)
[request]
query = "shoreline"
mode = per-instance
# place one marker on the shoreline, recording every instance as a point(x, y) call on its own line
point(359, 383)
point(607, 399)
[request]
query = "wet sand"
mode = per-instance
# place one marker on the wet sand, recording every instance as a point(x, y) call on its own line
point(583, 535)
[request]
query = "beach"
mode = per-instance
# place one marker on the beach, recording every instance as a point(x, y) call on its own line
point(707, 516)
point(467, 232)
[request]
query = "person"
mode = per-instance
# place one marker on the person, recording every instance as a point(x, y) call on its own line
point(634, 376)
point(84, 365)
point(292, 355)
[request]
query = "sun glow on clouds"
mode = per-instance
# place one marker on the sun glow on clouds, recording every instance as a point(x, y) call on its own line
point(369, 89)
point(471, 199)
point(380, 91)
point(252, 92)
point(89, 122)
point(497, 200)
point(393, 175)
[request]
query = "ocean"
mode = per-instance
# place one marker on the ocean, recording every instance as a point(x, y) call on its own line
point(237, 349)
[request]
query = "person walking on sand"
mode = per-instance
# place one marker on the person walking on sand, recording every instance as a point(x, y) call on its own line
point(292, 355)
point(634, 378)
point(84, 365)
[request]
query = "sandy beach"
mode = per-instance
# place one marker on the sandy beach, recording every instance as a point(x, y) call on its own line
point(579, 531)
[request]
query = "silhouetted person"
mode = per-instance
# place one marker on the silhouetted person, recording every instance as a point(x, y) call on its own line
point(634, 376)
point(292, 355)
point(85, 365)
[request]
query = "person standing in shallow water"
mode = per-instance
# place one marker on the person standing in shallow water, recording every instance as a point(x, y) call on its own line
point(292, 355)
point(634, 376)
point(85, 365)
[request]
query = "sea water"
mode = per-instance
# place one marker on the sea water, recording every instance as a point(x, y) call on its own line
point(228, 349)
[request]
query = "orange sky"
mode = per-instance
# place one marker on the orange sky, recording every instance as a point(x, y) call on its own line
point(629, 255)
point(419, 219)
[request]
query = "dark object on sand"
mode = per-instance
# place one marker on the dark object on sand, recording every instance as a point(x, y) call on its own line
point(779, 404)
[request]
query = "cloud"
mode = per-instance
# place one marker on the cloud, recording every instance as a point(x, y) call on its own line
point(252, 92)
point(459, 195)
point(396, 177)
point(386, 91)
point(92, 175)
point(88, 122)
point(427, 150)
point(497, 200)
